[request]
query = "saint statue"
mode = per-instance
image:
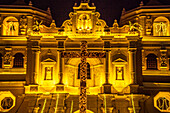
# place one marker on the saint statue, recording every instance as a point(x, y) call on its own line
point(119, 73)
point(48, 73)
point(161, 29)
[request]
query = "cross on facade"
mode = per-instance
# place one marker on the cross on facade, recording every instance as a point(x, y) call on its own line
point(83, 70)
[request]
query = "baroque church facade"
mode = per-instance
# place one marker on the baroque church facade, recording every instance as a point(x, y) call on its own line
point(40, 72)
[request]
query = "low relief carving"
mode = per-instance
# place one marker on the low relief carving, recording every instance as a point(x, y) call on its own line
point(7, 103)
point(163, 59)
point(23, 24)
point(7, 58)
point(163, 103)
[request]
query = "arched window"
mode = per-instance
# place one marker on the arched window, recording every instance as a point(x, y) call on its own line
point(161, 26)
point(18, 60)
point(10, 26)
point(88, 71)
point(151, 61)
point(0, 60)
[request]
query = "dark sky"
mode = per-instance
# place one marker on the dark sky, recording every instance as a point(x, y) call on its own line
point(109, 9)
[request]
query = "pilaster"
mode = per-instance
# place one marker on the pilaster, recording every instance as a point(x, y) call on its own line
point(61, 47)
point(106, 88)
point(33, 59)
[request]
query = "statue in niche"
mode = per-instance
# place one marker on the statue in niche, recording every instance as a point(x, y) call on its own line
point(84, 23)
point(48, 73)
point(161, 29)
point(119, 73)
point(11, 27)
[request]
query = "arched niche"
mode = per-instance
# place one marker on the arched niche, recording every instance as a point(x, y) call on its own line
point(161, 26)
point(48, 70)
point(119, 77)
point(84, 22)
point(96, 72)
point(10, 26)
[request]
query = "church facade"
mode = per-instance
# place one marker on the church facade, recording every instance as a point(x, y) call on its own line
point(127, 64)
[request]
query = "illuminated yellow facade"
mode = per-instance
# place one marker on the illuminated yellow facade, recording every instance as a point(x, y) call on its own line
point(133, 77)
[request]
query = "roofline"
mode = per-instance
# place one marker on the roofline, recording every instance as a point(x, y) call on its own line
point(24, 7)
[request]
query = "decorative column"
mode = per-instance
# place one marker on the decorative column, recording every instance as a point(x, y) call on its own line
point(107, 85)
point(33, 62)
point(133, 49)
point(60, 85)
point(107, 67)
point(60, 62)
point(36, 52)
point(132, 65)
point(83, 78)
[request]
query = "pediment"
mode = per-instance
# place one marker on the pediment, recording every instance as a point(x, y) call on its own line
point(48, 60)
point(119, 60)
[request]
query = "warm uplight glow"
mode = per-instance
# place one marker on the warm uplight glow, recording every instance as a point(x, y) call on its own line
point(56, 102)
point(71, 111)
point(42, 111)
point(133, 105)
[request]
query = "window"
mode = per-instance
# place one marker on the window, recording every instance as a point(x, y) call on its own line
point(88, 71)
point(0, 60)
point(18, 60)
point(151, 61)
point(10, 26)
point(161, 26)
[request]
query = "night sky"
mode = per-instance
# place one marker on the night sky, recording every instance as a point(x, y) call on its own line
point(109, 9)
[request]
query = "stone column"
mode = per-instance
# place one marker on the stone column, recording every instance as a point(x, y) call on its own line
point(107, 67)
point(132, 65)
point(36, 61)
point(60, 67)
point(107, 85)
point(60, 85)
